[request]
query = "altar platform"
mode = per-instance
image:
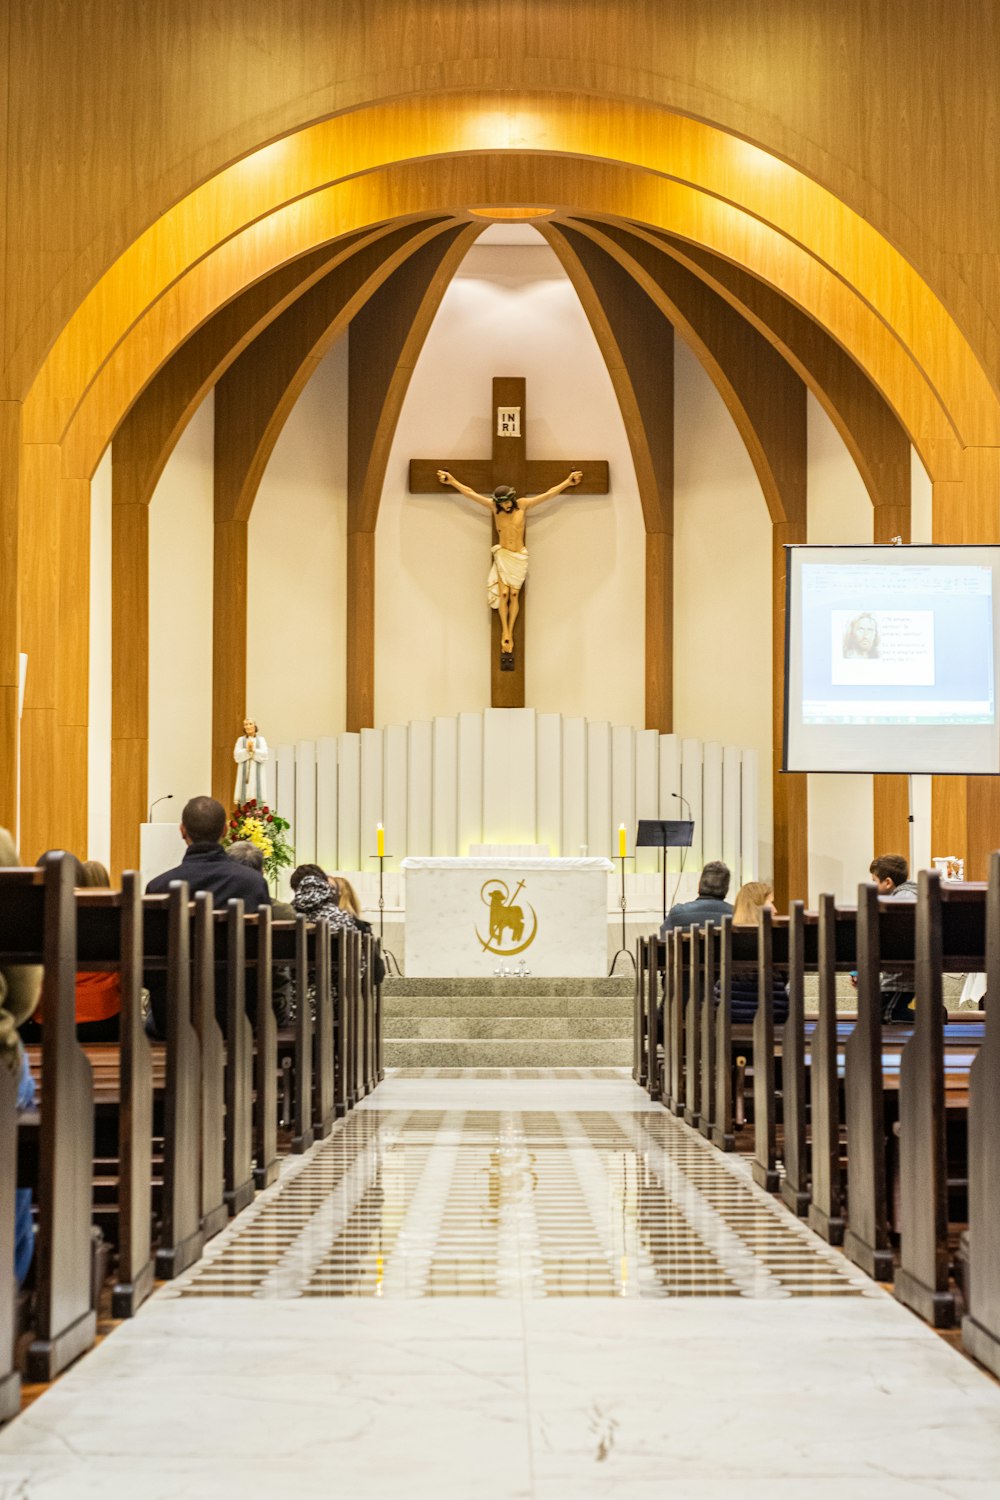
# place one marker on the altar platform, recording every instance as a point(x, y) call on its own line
point(468, 917)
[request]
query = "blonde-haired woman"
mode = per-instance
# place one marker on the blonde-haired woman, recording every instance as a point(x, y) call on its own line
point(750, 902)
point(751, 899)
point(347, 899)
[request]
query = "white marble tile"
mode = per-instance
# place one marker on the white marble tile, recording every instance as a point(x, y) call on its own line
point(528, 1398)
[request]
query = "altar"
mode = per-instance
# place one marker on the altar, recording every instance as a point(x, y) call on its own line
point(467, 917)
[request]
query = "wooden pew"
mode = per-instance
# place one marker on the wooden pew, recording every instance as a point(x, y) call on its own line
point(981, 1323)
point(369, 947)
point(167, 928)
point(764, 1164)
point(259, 958)
point(38, 925)
point(379, 1074)
point(290, 947)
point(656, 958)
point(639, 1038)
point(692, 942)
point(723, 1130)
point(826, 1209)
point(710, 964)
point(322, 955)
point(795, 1191)
point(673, 1023)
point(866, 1241)
point(10, 1380)
point(212, 1052)
point(109, 939)
point(950, 936)
point(230, 958)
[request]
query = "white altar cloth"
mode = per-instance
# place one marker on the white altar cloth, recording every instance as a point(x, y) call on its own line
point(465, 917)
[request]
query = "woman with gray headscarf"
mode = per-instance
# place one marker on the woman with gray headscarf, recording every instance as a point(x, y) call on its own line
point(317, 899)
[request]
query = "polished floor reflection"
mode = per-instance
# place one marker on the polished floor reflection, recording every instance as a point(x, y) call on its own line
point(514, 1285)
point(418, 1195)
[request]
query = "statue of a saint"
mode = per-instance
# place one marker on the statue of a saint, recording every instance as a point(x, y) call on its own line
point(510, 555)
point(251, 755)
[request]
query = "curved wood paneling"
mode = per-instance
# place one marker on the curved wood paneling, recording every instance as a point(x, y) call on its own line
point(253, 401)
point(387, 335)
point(766, 400)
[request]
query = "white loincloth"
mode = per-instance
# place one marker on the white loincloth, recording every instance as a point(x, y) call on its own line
point(510, 568)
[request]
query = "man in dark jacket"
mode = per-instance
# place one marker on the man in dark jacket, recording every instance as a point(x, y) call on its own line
point(205, 867)
point(711, 903)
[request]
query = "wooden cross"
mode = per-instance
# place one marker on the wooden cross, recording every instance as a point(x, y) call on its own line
point(508, 465)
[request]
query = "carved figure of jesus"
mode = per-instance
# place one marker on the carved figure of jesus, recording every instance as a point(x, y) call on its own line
point(510, 555)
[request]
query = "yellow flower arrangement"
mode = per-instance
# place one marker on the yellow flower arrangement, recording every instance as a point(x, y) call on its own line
point(266, 830)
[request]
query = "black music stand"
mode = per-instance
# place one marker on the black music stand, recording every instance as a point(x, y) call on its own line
point(664, 833)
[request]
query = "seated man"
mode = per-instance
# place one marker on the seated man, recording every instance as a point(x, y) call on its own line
point(890, 873)
point(711, 903)
point(205, 867)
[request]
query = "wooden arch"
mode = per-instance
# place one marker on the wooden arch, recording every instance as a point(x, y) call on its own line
point(608, 159)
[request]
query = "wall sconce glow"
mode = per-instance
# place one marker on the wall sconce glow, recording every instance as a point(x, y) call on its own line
point(753, 159)
point(267, 159)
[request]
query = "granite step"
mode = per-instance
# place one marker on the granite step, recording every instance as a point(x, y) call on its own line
point(474, 1028)
point(606, 1006)
point(578, 987)
point(444, 1052)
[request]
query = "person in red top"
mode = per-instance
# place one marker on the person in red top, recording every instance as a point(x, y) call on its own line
point(98, 996)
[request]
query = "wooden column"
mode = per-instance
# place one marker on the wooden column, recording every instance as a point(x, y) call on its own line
point(253, 400)
point(10, 614)
point(129, 665)
point(637, 342)
point(387, 335)
point(55, 632)
point(965, 810)
point(870, 429)
point(891, 794)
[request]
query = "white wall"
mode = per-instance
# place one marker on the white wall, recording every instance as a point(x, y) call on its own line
point(180, 619)
point(841, 813)
point(722, 584)
point(510, 311)
point(99, 717)
point(297, 567)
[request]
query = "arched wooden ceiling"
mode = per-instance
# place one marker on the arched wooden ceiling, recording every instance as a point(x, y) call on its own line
point(683, 187)
point(582, 155)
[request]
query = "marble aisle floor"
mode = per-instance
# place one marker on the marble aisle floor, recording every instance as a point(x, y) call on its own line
point(514, 1285)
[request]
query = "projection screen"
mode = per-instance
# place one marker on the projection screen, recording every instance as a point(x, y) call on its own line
point(891, 659)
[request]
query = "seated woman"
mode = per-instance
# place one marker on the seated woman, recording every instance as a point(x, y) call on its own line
point(751, 900)
point(348, 901)
point(315, 895)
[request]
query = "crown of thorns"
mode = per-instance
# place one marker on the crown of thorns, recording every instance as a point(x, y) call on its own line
point(504, 492)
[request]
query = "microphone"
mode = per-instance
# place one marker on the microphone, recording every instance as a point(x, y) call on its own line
point(169, 797)
point(686, 803)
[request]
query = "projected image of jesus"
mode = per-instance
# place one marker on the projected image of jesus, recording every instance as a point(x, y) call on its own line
point(881, 649)
point(861, 639)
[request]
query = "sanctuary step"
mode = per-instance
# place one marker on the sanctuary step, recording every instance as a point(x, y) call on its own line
point(470, 1023)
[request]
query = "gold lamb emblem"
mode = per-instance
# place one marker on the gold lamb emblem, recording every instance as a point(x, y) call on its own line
point(505, 917)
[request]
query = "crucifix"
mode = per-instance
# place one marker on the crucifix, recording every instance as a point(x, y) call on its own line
point(481, 479)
